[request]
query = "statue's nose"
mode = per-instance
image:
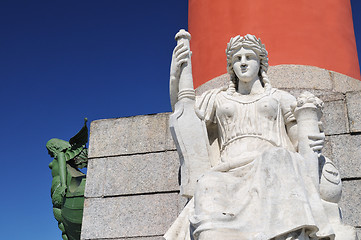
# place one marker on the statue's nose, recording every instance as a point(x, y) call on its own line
point(243, 62)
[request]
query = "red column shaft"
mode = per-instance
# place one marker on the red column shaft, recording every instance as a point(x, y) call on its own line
point(306, 32)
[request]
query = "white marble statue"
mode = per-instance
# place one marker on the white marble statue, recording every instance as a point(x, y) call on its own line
point(250, 155)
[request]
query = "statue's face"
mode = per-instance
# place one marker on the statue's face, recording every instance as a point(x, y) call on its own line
point(246, 64)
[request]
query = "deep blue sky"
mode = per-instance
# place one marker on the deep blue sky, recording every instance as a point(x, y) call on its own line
point(61, 61)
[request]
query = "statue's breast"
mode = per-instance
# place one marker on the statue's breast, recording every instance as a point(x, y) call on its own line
point(227, 109)
point(267, 107)
point(233, 108)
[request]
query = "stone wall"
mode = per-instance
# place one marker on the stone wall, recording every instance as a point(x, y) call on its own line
point(132, 189)
point(132, 184)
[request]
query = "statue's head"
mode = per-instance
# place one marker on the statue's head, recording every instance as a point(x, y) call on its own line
point(56, 145)
point(251, 44)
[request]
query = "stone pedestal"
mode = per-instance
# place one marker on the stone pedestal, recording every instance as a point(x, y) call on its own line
point(132, 189)
point(132, 186)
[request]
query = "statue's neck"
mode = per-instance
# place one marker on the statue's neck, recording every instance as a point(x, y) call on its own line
point(250, 88)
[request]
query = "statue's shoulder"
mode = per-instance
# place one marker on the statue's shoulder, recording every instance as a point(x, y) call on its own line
point(283, 96)
point(205, 103)
point(209, 95)
point(213, 91)
point(285, 99)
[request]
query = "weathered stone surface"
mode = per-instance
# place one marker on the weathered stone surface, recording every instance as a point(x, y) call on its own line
point(350, 202)
point(343, 83)
point(335, 117)
point(346, 152)
point(328, 96)
point(324, 95)
point(182, 201)
point(142, 173)
point(95, 177)
point(129, 216)
point(299, 76)
point(138, 134)
point(354, 110)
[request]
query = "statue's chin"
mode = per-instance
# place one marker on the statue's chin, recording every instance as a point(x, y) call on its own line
point(245, 78)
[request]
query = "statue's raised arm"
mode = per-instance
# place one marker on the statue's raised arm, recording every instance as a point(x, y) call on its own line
point(188, 130)
point(181, 79)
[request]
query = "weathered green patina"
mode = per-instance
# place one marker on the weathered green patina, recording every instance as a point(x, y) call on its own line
point(68, 184)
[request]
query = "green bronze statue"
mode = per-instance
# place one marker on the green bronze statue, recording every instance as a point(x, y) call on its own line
point(68, 184)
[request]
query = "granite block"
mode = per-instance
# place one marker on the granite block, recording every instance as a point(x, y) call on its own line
point(334, 118)
point(129, 216)
point(95, 177)
point(328, 96)
point(130, 135)
point(350, 203)
point(142, 173)
point(324, 95)
point(346, 153)
point(299, 76)
point(217, 82)
point(182, 202)
point(354, 110)
point(343, 83)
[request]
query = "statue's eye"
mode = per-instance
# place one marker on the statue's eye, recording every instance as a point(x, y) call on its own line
point(248, 57)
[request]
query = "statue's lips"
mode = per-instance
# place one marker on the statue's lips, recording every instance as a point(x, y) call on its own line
point(244, 69)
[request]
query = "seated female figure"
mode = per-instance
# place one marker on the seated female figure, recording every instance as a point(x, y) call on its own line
point(260, 188)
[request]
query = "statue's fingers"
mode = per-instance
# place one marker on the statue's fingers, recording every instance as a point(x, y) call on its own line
point(317, 143)
point(181, 62)
point(180, 45)
point(316, 136)
point(182, 56)
point(181, 51)
point(318, 148)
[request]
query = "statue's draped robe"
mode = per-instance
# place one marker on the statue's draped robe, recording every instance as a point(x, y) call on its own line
point(267, 192)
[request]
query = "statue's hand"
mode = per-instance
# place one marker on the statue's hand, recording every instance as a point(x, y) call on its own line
point(317, 141)
point(179, 57)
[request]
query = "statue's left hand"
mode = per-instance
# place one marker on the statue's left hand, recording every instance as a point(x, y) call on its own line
point(317, 141)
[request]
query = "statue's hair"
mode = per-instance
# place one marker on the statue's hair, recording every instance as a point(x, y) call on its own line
point(250, 42)
point(55, 145)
